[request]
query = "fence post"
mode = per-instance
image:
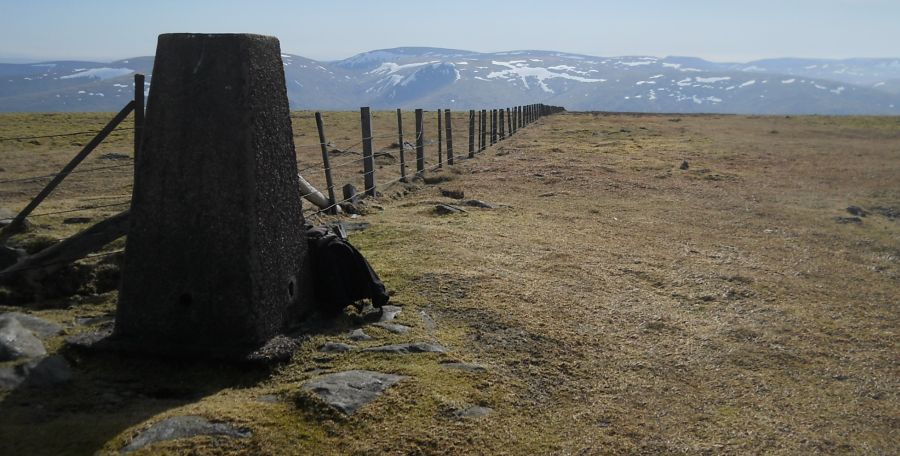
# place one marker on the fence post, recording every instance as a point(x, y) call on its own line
point(509, 121)
point(420, 143)
point(449, 127)
point(440, 132)
point(16, 225)
point(493, 126)
point(483, 129)
point(471, 133)
point(138, 111)
point(368, 157)
point(332, 202)
point(502, 124)
point(479, 131)
point(402, 147)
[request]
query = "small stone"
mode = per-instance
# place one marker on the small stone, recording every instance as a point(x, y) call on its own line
point(17, 342)
point(474, 411)
point(350, 390)
point(359, 335)
point(394, 328)
point(684, 165)
point(447, 209)
point(455, 194)
point(335, 347)
point(181, 427)
point(350, 194)
point(405, 349)
point(468, 367)
point(545, 195)
point(40, 327)
point(41, 372)
point(857, 211)
point(388, 313)
point(477, 203)
point(845, 220)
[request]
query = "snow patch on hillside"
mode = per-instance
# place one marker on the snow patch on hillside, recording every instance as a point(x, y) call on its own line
point(518, 69)
point(100, 73)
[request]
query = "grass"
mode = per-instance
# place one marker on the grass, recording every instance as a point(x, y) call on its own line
point(621, 304)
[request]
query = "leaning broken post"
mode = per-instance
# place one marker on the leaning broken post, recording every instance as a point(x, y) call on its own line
point(216, 255)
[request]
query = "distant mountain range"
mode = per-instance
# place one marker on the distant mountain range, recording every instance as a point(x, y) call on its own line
point(415, 77)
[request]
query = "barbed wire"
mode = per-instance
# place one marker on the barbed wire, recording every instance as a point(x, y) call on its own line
point(77, 171)
point(82, 209)
point(59, 135)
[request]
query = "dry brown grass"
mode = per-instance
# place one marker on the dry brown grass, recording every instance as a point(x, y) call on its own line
point(623, 305)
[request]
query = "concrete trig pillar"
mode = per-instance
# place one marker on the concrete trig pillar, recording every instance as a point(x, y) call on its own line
point(216, 253)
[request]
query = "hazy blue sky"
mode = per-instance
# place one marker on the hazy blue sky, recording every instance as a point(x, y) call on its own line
point(721, 30)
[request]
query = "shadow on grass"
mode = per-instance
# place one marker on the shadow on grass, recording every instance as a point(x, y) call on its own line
point(108, 394)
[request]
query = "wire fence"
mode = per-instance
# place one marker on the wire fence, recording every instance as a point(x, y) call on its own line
point(417, 154)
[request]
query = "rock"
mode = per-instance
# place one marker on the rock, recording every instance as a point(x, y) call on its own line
point(17, 342)
point(477, 203)
point(350, 194)
point(49, 371)
point(350, 390)
point(857, 211)
point(890, 212)
point(181, 427)
point(405, 349)
point(845, 220)
point(388, 313)
point(335, 347)
point(359, 335)
point(684, 165)
point(41, 372)
point(546, 195)
point(474, 411)
point(115, 156)
point(41, 328)
point(447, 209)
point(455, 194)
point(391, 327)
point(427, 321)
point(351, 227)
point(468, 367)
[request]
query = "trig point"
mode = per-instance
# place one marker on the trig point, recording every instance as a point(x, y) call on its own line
point(216, 249)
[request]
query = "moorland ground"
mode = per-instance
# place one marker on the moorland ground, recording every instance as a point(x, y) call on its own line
point(619, 303)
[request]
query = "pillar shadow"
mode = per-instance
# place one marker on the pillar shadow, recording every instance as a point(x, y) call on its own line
point(109, 393)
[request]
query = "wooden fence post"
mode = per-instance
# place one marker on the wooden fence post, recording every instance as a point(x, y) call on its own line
point(18, 222)
point(440, 132)
point(479, 130)
point(493, 126)
point(402, 146)
point(483, 129)
point(332, 202)
point(138, 111)
point(502, 124)
point(368, 157)
point(509, 121)
point(420, 143)
point(450, 157)
point(471, 133)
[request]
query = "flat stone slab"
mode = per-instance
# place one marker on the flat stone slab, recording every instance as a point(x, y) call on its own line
point(392, 327)
point(405, 349)
point(359, 335)
point(350, 390)
point(17, 342)
point(41, 372)
point(474, 411)
point(388, 313)
point(335, 347)
point(41, 328)
point(181, 427)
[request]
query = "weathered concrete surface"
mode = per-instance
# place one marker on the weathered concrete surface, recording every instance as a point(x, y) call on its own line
point(215, 261)
point(182, 427)
point(350, 390)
